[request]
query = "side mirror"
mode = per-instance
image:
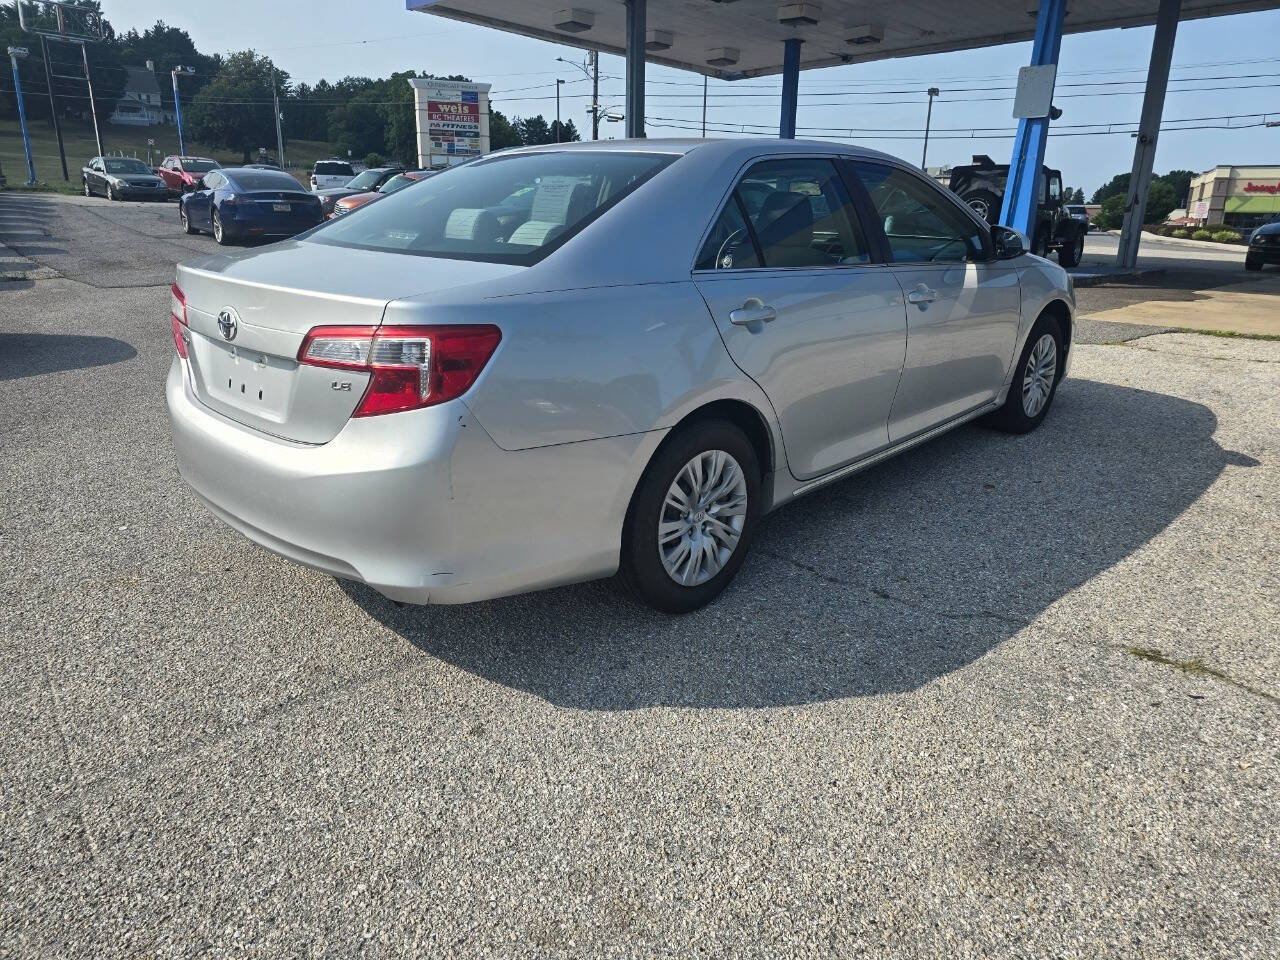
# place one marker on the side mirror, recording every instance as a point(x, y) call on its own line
point(1009, 243)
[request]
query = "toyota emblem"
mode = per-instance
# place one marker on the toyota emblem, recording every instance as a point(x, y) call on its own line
point(228, 323)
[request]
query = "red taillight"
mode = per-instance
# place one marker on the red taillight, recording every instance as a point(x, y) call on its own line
point(410, 367)
point(178, 319)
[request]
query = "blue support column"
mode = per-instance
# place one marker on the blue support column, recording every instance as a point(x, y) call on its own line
point(1022, 193)
point(790, 87)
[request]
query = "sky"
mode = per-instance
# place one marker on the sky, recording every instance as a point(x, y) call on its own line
point(335, 38)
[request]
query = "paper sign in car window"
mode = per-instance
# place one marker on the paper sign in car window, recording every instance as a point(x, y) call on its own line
point(551, 199)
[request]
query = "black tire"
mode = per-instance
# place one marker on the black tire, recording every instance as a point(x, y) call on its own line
point(187, 228)
point(1040, 243)
point(219, 232)
point(985, 204)
point(1071, 251)
point(1252, 264)
point(642, 570)
point(1013, 416)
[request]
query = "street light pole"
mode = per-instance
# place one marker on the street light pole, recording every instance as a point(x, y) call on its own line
point(275, 98)
point(177, 104)
point(595, 95)
point(928, 119)
point(14, 54)
point(93, 106)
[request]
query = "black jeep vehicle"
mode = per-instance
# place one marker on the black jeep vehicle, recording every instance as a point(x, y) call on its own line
point(981, 184)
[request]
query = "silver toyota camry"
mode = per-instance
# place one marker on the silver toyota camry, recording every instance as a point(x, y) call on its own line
point(565, 362)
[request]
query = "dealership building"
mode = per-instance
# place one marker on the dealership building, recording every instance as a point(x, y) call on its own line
point(1240, 197)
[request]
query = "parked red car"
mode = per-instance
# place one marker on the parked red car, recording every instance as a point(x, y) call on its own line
point(398, 182)
point(184, 174)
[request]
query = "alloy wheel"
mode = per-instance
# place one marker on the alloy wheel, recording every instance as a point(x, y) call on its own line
point(702, 518)
point(217, 227)
point(1038, 377)
point(87, 191)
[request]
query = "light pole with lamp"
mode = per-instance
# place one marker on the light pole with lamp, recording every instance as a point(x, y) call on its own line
point(15, 54)
point(593, 74)
point(928, 118)
point(177, 105)
point(559, 84)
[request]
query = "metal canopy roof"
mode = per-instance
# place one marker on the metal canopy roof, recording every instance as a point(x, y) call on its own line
point(751, 27)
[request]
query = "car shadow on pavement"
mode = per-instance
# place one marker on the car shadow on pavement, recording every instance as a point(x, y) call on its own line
point(34, 354)
point(877, 584)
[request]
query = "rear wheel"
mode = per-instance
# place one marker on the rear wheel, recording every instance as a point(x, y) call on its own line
point(185, 220)
point(1071, 252)
point(219, 233)
point(1035, 380)
point(692, 518)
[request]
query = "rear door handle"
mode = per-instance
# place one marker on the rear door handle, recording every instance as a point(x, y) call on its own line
point(753, 311)
point(922, 294)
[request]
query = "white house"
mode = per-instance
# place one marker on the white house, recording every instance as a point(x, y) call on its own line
point(139, 105)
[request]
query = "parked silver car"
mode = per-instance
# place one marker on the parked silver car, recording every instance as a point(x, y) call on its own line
point(561, 362)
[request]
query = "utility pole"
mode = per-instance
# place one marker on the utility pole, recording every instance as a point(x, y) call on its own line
point(275, 97)
point(559, 84)
point(93, 106)
point(14, 54)
point(53, 104)
point(595, 95)
point(704, 106)
point(928, 119)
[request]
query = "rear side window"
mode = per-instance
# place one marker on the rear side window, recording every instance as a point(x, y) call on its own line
point(508, 209)
point(797, 213)
point(920, 223)
point(330, 168)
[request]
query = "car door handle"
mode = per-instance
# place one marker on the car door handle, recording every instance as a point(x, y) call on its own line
point(922, 294)
point(753, 311)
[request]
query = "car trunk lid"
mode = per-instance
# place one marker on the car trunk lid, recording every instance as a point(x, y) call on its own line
point(249, 314)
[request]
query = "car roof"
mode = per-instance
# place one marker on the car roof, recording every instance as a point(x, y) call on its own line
point(725, 146)
point(231, 172)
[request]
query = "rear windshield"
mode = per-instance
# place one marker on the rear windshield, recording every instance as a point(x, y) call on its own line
point(329, 168)
point(198, 166)
point(247, 179)
point(510, 209)
point(125, 165)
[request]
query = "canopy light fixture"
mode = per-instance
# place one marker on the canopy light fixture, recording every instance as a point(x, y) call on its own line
point(867, 33)
point(722, 56)
point(658, 40)
point(574, 20)
point(799, 14)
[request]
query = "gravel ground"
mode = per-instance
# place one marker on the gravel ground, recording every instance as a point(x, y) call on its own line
point(1000, 697)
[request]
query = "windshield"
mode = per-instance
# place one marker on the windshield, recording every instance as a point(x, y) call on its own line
point(398, 182)
point(125, 165)
point(329, 168)
point(510, 209)
point(199, 166)
point(366, 181)
point(246, 179)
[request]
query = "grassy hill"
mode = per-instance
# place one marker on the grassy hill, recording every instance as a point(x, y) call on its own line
point(131, 141)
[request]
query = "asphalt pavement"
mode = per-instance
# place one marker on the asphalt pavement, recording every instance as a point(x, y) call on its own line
point(999, 697)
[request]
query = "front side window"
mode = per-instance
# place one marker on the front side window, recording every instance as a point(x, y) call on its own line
point(799, 215)
point(921, 225)
point(507, 209)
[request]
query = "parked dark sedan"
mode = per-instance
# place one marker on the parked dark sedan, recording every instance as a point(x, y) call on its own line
point(363, 182)
point(120, 178)
point(238, 203)
point(1264, 246)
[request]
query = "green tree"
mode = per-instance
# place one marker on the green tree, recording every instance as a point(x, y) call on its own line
point(1111, 216)
point(533, 130)
point(234, 110)
point(564, 133)
point(1116, 186)
point(1180, 182)
point(1161, 200)
point(502, 133)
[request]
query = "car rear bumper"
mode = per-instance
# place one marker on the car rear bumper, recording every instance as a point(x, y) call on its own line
point(422, 506)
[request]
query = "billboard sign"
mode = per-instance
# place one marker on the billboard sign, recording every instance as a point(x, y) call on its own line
point(453, 121)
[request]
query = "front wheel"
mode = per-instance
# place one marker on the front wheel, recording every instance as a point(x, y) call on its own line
point(1035, 380)
point(111, 192)
point(1071, 251)
point(692, 518)
point(1252, 264)
point(88, 192)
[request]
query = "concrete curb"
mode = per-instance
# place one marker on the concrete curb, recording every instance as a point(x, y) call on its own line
point(1128, 276)
point(1201, 244)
